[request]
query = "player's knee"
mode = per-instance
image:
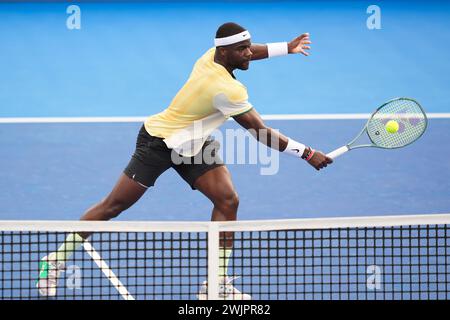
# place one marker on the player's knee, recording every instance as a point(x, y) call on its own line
point(228, 201)
point(113, 207)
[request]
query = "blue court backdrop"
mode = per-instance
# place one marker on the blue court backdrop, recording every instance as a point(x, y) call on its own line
point(130, 59)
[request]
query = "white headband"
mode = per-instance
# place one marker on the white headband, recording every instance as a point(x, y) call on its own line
point(244, 35)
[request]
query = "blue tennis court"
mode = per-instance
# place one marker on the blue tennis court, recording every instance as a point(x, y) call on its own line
point(56, 171)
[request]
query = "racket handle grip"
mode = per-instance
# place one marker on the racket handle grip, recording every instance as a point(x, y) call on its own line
point(336, 153)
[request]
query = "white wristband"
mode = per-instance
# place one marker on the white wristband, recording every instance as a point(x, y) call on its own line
point(276, 49)
point(295, 148)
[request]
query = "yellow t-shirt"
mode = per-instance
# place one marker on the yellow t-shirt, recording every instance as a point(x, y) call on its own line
point(209, 97)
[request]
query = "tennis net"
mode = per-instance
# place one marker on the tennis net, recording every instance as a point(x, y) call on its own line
point(354, 258)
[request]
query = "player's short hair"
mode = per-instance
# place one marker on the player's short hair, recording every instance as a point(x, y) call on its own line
point(229, 29)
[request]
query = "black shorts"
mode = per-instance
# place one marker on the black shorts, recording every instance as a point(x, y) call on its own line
point(152, 157)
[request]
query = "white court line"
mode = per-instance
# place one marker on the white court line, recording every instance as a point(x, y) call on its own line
point(71, 119)
point(337, 116)
point(330, 116)
point(107, 271)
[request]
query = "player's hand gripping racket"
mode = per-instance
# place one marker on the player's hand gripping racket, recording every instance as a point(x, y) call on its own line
point(395, 124)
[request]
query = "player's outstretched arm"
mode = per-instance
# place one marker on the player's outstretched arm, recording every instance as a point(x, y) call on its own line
point(253, 122)
point(298, 45)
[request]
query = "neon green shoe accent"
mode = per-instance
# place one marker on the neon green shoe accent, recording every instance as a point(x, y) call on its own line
point(43, 269)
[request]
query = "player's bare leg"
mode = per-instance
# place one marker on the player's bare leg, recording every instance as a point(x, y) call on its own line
point(216, 184)
point(124, 194)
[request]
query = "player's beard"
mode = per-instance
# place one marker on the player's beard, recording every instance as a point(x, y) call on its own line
point(244, 65)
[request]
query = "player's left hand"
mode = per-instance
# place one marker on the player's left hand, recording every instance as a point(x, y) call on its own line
point(300, 44)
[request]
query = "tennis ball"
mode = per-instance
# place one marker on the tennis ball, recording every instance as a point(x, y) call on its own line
point(392, 126)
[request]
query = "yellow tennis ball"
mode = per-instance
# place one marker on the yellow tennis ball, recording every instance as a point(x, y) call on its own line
point(392, 126)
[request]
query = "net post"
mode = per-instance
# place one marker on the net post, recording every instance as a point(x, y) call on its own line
point(213, 261)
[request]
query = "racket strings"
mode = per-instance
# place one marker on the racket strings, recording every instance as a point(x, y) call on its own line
point(411, 120)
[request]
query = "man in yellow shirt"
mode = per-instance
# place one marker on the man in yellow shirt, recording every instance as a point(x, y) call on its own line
point(174, 137)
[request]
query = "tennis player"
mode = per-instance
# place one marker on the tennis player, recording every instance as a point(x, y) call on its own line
point(211, 95)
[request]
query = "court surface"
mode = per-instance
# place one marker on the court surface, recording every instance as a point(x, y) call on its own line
point(128, 60)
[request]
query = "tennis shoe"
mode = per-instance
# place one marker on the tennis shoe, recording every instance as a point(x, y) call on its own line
point(226, 290)
point(49, 272)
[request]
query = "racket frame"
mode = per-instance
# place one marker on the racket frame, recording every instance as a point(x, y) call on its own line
point(349, 145)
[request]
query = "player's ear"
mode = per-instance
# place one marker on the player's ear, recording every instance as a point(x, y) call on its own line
point(222, 51)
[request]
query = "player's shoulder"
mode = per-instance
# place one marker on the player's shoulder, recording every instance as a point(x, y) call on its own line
point(218, 78)
point(234, 85)
point(234, 90)
point(203, 66)
point(208, 56)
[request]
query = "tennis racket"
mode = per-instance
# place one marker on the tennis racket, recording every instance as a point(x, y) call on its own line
point(412, 123)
